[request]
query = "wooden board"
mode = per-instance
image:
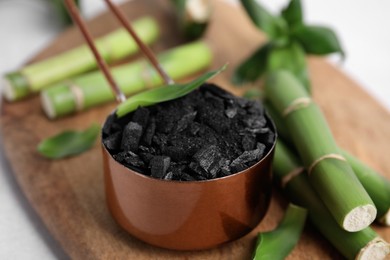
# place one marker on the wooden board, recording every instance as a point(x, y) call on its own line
point(68, 194)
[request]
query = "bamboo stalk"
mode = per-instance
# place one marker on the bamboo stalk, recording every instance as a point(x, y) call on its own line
point(113, 47)
point(91, 89)
point(364, 244)
point(193, 16)
point(377, 187)
point(329, 173)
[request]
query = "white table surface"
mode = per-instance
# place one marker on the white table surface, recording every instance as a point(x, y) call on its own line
point(26, 26)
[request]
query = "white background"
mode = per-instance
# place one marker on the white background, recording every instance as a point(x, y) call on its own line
point(26, 26)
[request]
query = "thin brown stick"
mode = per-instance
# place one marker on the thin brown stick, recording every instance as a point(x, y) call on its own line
point(72, 9)
point(145, 49)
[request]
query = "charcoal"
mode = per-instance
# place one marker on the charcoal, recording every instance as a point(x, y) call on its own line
point(158, 166)
point(149, 132)
point(185, 121)
point(248, 142)
point(206, 134)
point(131, 136)
point(160, 140)
point(141, 116)
point(168, 176)
point(231, 111)
point(107, 126)
point(186, 177)
point(113, 141)
point(129, 159)
point(194, 128)
point(247, 156)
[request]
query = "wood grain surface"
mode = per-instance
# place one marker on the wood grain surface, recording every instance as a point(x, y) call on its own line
point(68, 194)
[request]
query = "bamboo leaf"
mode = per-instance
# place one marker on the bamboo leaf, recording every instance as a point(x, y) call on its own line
point(263, 19)
point(277, 244)
point(69, 143)
point(293, 13)
point(292, 58)
point(253, 67)
point(318, 40)
point(162, 94)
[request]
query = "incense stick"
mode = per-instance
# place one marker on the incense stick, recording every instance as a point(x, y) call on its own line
point(73, 11)
point(145, 49)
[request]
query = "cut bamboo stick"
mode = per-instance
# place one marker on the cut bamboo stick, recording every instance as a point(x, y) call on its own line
point(329, 173)
point(377, 186)
point(365, 244)
point(91, 89)
point(113, 47)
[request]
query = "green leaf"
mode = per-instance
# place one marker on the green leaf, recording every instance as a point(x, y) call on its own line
point(262, 18)
point(253, 67)
point(318, 40)
point(292, 58)
point(69, 143)
point(277, 244)
point(162, 94)
point(293, 13)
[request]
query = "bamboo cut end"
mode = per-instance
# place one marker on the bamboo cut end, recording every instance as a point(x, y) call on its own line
point(47, 106)
point(375, 249)
point(8, 90)
point(385, 219)
point(359, 218)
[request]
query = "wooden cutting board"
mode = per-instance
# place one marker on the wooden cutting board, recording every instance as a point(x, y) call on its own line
point(68, 194)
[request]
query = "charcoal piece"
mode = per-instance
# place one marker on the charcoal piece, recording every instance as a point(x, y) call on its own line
point(131, 136)
point(186, 177)
point(141, 116)
point(149, 132)
point(255, 108)
point(194, 128)
point(182, 148)
point(199, 177)
point(146, 153)
point(107, 126)
point(267, 137)
point(113, 141)
point(247, 156)
point(198, 170)
point(231, 111)
point(254, 121)
point(158, 166)
point(168, 176)
point(185, 121)
point(225, 171)
point(216, 120)
point(237, 167)
point(209, 158)
point(248, 142)
point(160, 140)
point(129, 158)
point(261, 147)
point(218, 91)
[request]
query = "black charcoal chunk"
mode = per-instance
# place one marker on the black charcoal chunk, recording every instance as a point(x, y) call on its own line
point(160, 140)
point(237, 167)
point(231, 111)
point(158, 166)
point(194, 128)
point(247, 156)
point(149, 132)
point(129, 158)
point(131, 136)
point(168, 176)
point(261, 147)
point(198, 170)
point(209, 159)
point(186, 177)
point(108, 124)
point(248, 142)
point(254, 107)
point(113, 141)
point(185, 121)
point(254, 121)
point(141, 116)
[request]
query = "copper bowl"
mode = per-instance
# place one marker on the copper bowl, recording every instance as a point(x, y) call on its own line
point(188, 215)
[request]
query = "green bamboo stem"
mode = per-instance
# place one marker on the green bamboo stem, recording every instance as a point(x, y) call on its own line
point(92, 89)
point(193, 16)
point(375, 184)
point(112, 47)
point(329, 173)
point(364, 244)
